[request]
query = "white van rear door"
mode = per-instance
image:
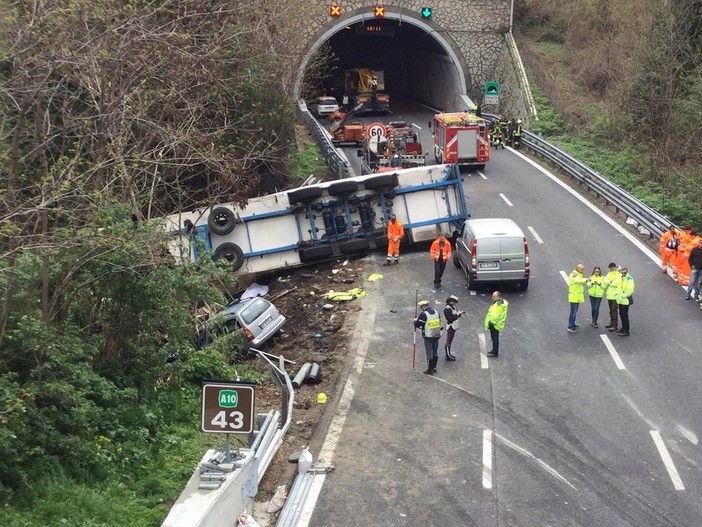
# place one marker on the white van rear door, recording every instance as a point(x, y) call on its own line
point(512, 258)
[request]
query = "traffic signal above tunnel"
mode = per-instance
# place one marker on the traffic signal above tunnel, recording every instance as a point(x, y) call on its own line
point(426, 12)
point(379, 11)
point(334, 10)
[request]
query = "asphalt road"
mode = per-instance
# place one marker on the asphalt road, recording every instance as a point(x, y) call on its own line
point(585, 429)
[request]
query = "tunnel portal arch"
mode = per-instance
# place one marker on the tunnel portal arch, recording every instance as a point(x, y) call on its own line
point(471, 36)
point(456, 59)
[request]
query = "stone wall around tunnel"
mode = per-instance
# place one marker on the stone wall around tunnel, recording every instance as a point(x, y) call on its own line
point(474, 30)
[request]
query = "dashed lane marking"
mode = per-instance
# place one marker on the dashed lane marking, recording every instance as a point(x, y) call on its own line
point(667, 460)
point(487, 459)
point(483, 350)
point(504, 198)
point(533, 233)
point(613, 352)
point(624, 232)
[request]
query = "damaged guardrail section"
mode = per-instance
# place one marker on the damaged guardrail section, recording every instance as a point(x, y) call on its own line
point(225, 483)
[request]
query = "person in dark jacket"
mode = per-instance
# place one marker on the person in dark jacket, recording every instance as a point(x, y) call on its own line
point(451, 315)
point(695, 261)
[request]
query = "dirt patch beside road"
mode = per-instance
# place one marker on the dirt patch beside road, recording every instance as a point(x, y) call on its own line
point(317, 330)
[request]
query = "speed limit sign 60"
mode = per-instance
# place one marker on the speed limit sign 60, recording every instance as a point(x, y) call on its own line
point(376, 129)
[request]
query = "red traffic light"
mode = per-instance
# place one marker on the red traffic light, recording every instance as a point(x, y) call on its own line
point(334, 10)
point(379, 11)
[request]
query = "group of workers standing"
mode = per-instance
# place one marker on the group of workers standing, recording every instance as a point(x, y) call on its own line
point(681, 251)
point(505, 132)
point(617, 287)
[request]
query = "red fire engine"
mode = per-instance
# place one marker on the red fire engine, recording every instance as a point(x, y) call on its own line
point(461, 138)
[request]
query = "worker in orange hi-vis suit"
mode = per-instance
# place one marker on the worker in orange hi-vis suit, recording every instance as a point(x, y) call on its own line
point(440, 252)
point(395, 233)
point(684, 249)
point(668, 248)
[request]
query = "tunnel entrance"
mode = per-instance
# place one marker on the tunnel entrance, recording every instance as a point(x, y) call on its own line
point(418, 62)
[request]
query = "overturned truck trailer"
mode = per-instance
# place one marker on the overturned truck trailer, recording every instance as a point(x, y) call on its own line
point(319, 222)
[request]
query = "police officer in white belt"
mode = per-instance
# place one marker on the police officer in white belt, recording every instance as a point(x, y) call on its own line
point(429, 321)
point(451, 314)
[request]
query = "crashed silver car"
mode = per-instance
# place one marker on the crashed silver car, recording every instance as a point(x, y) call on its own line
point(256, 319)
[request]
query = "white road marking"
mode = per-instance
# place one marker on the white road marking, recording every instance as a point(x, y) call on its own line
point(417, 126)
point(564, 275)
point(624, 232)
point(482, 175)
point(531, 456)
point(667, 460)
point(533, 233)
point(483, 350)
point(613, 352)
point(337, 424)
point(504, 198)
point(487, 459)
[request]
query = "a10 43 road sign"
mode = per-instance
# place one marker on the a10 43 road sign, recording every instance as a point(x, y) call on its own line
point(227, 408)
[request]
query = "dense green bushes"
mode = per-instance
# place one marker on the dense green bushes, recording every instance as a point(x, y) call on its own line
point(100, 400)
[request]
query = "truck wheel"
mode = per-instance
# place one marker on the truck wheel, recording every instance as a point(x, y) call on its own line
point(304, 195)
point(480, 167)
point(381, 182)
point(342, 188)
point(221, 221)
point(381, 242)
point(524, 284)
point(312, 254)
point(232, 253)
point(354, 246)
point(456, 261)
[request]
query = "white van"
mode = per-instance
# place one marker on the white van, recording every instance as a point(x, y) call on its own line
point(492, 250)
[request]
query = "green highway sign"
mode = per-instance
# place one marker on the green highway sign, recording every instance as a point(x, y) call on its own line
point(492, 88)
point(228, 398)
point(227, 407)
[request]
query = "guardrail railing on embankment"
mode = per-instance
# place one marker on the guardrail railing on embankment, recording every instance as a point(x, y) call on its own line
point(225, 483)
point(337, 162)
point(647, 220)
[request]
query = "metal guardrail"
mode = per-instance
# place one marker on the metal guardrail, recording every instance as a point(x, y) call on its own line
point(647, 220)
point(338, 163)
point(220, 488)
